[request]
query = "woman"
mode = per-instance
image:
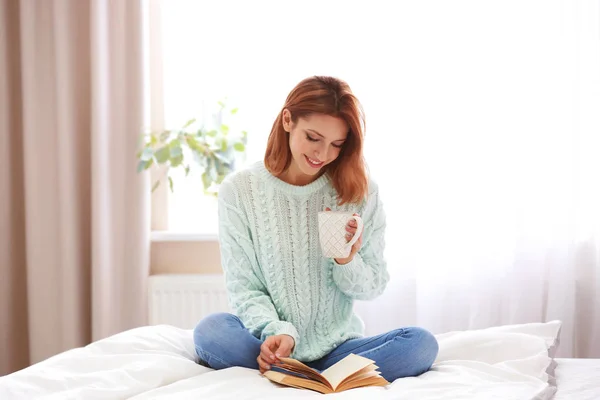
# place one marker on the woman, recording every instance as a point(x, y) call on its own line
point(289, 300)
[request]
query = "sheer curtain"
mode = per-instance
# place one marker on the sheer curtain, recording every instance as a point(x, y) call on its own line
point(490, 169)
point(482, 132)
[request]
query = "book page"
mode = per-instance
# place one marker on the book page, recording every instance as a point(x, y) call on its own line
point(297, 382)
point(344, 368)
point(368, 381)
point(359, 374)
point(297, 364)
point(308, 374)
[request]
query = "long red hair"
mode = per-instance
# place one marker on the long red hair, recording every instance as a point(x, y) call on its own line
point(329, 96)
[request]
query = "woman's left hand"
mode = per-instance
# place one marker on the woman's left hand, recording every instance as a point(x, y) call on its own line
point(350, 231)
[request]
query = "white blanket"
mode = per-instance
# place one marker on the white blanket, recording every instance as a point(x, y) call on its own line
point(508, 362)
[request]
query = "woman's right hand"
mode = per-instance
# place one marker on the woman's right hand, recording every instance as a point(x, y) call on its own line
point(273, 348)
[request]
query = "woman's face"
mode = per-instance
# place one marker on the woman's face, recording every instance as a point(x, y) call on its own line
point(315, 141)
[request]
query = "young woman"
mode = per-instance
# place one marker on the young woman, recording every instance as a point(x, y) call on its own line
point(289, 300)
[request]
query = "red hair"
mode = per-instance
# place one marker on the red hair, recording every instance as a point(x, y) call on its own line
point(329, 96)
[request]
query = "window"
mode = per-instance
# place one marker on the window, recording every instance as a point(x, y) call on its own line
point(252, 53)
point(457, 107)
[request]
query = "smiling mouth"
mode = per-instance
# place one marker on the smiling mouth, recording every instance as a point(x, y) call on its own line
point(313, 163)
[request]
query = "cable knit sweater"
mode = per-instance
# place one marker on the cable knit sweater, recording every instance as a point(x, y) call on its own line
point(277, 280)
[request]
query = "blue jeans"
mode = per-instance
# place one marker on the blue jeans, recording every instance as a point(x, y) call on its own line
point(223, 341)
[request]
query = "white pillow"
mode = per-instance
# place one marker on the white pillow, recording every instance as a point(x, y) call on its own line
point(500, 342)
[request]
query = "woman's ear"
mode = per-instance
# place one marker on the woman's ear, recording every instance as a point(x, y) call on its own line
point(286, 120)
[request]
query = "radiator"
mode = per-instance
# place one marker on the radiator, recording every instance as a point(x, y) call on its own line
point(182, 300)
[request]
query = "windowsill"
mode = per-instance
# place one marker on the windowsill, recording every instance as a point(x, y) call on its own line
point(173, 236)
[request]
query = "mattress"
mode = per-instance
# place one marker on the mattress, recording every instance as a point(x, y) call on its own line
point(577, 379)
point(155, 362)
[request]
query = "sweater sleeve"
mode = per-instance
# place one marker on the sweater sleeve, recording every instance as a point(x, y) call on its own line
point(247, 293)
point(366, 276)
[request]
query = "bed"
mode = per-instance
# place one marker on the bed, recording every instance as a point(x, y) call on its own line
point(159, 362)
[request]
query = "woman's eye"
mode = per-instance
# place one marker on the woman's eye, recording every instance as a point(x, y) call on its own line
point(312, 139)
point(338, 146)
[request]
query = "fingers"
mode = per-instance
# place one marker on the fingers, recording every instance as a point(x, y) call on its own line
point(285, 349)
point(266, 356)
point(351, 229)
point(265, 349)
point(350, 232)
point(356, 246)
point(272, 348)
point(262, 365)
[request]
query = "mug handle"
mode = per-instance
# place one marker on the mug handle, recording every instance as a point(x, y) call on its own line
point(359, 228)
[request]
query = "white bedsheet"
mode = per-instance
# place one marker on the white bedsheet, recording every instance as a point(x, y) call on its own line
point(508, 362)
point(577, 379)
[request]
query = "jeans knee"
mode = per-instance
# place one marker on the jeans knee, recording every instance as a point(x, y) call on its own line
point(212, 327)
point(426, 346)
point(423, 351)
point(431, 346)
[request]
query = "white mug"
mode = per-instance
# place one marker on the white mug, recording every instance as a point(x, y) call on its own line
point(332, 233)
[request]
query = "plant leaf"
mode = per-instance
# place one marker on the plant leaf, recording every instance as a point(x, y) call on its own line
point(171, 184)
point(147, 154)
point(195, 146)
point(201, 160)
point(164, 136)
point(155, 185)
point(222, 158)
point(224, 129)
point(213, 173)
point(162, 154)
point(191, 142)
point(234, 111)
point(191, 121)
point(212, 133)
point(143, 165)
point(187, 170)
point(175, 142)
point(206, 181)
point(239, 147)
point(176, 161)
point(176, 151)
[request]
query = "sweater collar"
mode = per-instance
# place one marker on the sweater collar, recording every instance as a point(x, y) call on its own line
point(303, 190)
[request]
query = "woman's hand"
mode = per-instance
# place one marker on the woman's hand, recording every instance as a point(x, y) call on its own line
point(273, 348)
point(350, 231)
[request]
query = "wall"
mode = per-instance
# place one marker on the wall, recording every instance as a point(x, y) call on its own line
point(198, 257)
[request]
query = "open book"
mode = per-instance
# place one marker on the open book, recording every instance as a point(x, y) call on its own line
point(350, 372)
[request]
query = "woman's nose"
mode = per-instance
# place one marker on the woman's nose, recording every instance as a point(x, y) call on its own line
point(321, 153)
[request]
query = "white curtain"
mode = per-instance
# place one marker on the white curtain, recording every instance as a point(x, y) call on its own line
point(482, 132)
point(491, 173)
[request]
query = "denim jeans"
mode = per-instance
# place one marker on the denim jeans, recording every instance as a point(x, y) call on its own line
point(222, 341)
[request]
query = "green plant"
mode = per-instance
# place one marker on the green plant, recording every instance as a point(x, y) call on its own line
point(214, 150)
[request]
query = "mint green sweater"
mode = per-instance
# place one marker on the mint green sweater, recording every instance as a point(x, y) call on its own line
point(277, 279)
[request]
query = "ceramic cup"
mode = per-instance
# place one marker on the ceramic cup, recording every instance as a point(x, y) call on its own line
point(332, 233)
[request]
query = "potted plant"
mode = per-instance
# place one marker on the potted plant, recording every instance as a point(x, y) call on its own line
point(214, 149)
